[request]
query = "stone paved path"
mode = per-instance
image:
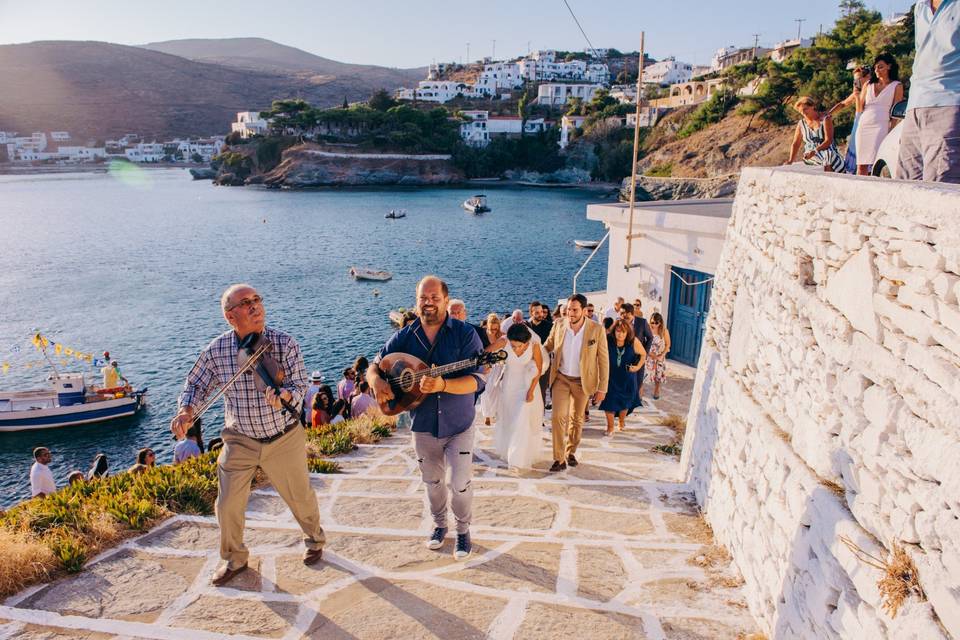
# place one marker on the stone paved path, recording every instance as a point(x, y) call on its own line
point(611, 549)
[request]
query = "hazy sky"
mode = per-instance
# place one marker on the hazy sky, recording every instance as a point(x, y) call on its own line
point(413, 33)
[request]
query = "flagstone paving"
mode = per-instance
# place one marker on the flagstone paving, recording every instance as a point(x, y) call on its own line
point(611, 549)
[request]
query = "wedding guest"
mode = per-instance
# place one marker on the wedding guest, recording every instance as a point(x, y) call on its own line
point(189, 447)
point(814, 133)
point(147, 458)
point(881, 92)
point(345, 387)
point(590, 313)
point(541, 323)
point(861, 75)
point(359, 371)
point(99, 467)
point(458, 310)
point(443, 432)
point(614, 312)
point(579, 370)
point(316, 379)
point(490, 396)
point(321, 411)
point(657, 357)
point(517, 434)
point(930, 140)
point(363, 402)
point(74, 477)
point(41, 478)
point(516, 316)
point(641, 330)
point(559, 312)
point(627, 356)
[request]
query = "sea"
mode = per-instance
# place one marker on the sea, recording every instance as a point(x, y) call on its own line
point(133, 261)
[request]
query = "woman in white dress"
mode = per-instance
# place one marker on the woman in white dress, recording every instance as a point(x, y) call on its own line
point(517, 435)
point(876, 97)
point(490, 395)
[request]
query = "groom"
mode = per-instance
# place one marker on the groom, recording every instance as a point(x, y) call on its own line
point(580, 369)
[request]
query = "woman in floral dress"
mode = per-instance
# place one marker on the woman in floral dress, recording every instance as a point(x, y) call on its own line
point(656, 359)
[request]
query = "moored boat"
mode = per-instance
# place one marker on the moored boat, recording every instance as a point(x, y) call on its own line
point(476, 204)
point(67, 403)
point(359, 273)
point(396, 214)
point(586, 244)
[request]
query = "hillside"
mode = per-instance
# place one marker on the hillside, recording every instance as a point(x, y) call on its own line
point(101, 90)
point(259, 54)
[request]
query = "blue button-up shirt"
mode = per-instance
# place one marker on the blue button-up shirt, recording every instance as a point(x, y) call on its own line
point(441, 414)
point(936, 66)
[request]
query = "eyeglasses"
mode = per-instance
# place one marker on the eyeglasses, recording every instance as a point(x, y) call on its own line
point(246, 303)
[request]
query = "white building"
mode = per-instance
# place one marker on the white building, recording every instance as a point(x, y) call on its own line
point(205, 148)
point(145, 152)
point(444, 91)
point(60, 136)
point(81, 154)
point(668, 71)
point(542, 66)
point(249, 123)
point(674, 255)
point(558, 94)
point(473, 130)
point(782, 50)
point(648, 117)
point(498, 76)
point(569, 124)
point(624, 93)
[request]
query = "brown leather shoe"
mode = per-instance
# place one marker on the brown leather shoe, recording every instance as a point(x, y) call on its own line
point(312, 556)
point(225, 574)
point(572, 460)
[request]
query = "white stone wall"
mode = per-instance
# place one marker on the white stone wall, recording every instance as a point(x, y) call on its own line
point(832, 355)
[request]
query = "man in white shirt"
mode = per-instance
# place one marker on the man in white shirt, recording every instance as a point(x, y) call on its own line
point(614, 311)
point(515, 318)
point(41, 478)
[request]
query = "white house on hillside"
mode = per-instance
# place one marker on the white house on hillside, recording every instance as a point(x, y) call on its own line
point(498, 76)
point(569, 124)
point(667, 72)
point(249, 123)
point(473, 130)
point(558, 94)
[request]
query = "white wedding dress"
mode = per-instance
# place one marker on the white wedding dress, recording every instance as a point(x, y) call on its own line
point(516, 437)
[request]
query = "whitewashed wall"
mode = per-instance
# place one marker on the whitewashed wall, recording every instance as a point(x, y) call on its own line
point(832, 355)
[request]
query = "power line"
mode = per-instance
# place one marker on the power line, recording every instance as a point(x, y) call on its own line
point(573, 15)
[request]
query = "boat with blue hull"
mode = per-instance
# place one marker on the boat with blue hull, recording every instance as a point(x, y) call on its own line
point(67, 403)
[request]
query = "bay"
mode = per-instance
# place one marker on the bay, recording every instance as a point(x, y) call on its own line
point(134, 261)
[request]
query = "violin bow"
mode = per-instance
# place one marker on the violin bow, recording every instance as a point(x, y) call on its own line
point(247, 366)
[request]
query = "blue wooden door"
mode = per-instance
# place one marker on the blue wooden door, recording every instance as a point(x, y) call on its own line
point(687, 314)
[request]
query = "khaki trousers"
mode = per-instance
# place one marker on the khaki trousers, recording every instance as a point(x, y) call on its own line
point(284, 461)
point(569, 405)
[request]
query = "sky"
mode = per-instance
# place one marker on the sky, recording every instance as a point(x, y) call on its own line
point(417, 32)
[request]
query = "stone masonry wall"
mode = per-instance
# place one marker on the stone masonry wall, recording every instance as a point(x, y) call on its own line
point(827, 401)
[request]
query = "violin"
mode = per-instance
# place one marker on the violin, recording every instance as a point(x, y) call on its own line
point(267, 369)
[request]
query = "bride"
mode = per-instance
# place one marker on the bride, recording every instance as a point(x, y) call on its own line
point(517, 434)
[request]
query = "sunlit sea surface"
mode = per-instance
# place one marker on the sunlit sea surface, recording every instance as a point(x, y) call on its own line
point(134, 262)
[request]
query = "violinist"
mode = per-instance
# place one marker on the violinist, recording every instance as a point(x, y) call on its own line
point(260, 429)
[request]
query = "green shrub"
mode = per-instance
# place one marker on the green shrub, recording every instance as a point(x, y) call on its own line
point(382, 431)
point(322, 465)
point(69, 551)
point(660, 171)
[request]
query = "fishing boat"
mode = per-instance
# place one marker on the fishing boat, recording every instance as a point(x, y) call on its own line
point(396, 214)
point(476, 204)
point(359, 273)
point(586, 244)
point(67, 403)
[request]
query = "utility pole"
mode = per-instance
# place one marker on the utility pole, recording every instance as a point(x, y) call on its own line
point(799, 22)
point(528, 47)
point(468, 53)
point(494, 56)
point(756, 41)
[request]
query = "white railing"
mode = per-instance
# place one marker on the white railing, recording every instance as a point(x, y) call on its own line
point(587, 261)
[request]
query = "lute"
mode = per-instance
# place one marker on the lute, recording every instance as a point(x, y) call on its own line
point(403, 373)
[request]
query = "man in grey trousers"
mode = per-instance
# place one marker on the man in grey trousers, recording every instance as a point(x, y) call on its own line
point(443, 430)
point(930, 140)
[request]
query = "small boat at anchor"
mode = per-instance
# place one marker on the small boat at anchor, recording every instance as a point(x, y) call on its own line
point(396, 214)
point(477, 204)
point(586, 244)
point(67, 403)
point(359, 273)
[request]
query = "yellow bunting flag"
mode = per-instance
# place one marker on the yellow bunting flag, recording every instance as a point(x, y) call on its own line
point(57, 348)
point(37, 341)
point(5, 366)
point(68, 351)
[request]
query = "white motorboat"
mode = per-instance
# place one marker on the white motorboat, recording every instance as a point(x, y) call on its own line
point(586, 244)
point(476, 204)
point(396, 214)
point(359, 273)
point(67, 403)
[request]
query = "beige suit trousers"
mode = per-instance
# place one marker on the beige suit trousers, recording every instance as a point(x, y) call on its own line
point(569, 405)
point(284, 461)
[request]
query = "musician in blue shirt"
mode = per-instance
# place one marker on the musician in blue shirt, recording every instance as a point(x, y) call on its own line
point(443, 429)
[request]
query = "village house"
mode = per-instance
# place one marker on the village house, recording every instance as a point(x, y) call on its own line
point(667, 72)
point(557, 94)
point(473, 130)
point(568, 125)
point(249, 124)
point(782, 50)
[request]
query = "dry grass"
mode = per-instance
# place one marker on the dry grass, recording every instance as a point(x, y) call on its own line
point(679, 426)
point(900, 579)
point(25, 560)
point(715, 561)
point(751, 636)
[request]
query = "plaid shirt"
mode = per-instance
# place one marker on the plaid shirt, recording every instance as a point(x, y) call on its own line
point(246, 408)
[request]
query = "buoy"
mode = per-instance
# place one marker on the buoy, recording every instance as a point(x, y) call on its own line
point(376, 292)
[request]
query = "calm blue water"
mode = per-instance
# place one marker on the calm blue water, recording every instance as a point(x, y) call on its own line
point(134, 262)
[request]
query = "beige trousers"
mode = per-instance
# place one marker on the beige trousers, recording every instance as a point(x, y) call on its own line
point(284, 461)
point(569, 404)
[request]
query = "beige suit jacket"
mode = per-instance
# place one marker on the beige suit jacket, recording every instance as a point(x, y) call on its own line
point(594, 359)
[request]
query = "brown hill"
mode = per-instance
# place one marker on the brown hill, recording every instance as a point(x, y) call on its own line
point(101, 90)
point(259, 54)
